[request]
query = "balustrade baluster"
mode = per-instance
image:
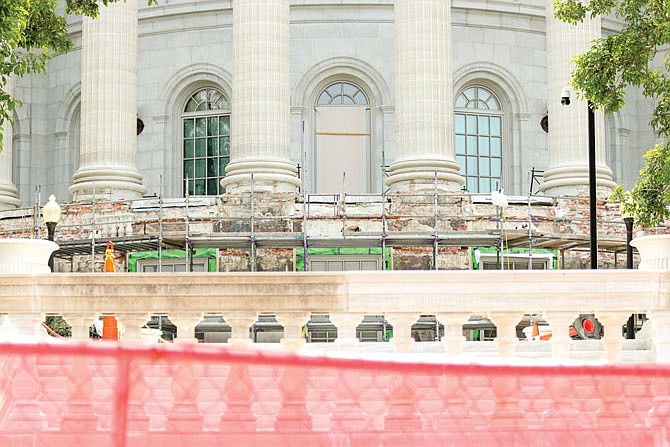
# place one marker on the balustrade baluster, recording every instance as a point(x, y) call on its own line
point(239, 325)
point(659, 415)
point(402, 340)
point(133, 324)
point(79, 415)
point(402, 415)
point(562, 411)
point(560, 333)
point(29, 325)
point(186, 323)
point(507, 415)
point(80, 324)
point(613, 339)
point(661, 330)
point(456, 416)
point(506, 337)
point(293, 323)
point(138, 419)
point(293, 414)
point(238, 394)
point(453, 339)
point(185, 415)
point(613, 412)
point(26, 389)
point(348, 414)
point(346, 324)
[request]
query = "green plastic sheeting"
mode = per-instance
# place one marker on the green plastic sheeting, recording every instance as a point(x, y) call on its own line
point(173, 254)
point(300, 259)
point(514, 251)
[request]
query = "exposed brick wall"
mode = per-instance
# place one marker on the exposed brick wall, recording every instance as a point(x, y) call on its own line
point(281, 216)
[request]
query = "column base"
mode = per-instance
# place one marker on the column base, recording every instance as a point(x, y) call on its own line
point(108, 183)
point(573, 180)
point(418, 174)
point(9, 197)
point(269, 176)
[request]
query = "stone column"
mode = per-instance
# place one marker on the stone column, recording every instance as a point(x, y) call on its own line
point(8, 192)
point(260, 128)
point(108, 144)
point(568, 170)
point(424, 98)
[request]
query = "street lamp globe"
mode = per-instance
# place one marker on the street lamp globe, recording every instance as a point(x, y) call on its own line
point(51, 211)
point(51, 214)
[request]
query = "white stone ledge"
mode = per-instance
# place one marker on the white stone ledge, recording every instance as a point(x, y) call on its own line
point(358, 292)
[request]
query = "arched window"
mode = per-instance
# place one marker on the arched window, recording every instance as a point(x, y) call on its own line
point(342, 93)
point(479, 138)
point(341, 157)
point(206, 141)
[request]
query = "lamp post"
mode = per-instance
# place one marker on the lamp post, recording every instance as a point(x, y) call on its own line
point(51, 213)
point(593, 199)
point(593, 209)
point(628, 221)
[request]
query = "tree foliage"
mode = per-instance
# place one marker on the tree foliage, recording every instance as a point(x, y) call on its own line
point(632, 56)
point(31, 33)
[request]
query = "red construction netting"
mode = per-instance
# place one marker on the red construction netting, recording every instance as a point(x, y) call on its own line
point(117, 395)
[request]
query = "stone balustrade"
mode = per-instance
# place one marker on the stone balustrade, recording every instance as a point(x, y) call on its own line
point(401, 296)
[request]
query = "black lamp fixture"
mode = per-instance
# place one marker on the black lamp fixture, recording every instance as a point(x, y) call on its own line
point(51, 213)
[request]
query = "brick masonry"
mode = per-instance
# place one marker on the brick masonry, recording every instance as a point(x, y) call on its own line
point(557, 222)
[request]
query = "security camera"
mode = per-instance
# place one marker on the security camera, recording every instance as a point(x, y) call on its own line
point(565, 96)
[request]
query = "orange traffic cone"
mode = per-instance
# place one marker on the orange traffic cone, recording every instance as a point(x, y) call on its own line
point(536, 330)
point(109, 257)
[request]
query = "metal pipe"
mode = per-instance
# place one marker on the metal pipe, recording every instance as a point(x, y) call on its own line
point(530, 223)
point(252, 224)
point(305, 198)
point(160, 226)
point(435, 221)
point(187, 242)
point(93, 230)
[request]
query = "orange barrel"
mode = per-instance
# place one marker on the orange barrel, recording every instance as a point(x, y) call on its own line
point(110, 330)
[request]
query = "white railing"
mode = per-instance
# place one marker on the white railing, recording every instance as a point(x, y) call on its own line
point(401, 296)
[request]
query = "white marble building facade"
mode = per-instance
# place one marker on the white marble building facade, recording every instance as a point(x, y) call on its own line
point(296, 91)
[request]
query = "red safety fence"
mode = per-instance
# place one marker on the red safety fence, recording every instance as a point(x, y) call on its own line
point(117, 395)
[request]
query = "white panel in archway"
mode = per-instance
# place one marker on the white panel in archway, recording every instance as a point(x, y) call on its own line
point(341, 147)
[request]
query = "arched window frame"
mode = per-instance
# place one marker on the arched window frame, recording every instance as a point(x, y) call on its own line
point(205, 140)
point(345, 93)
point(479, 134)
